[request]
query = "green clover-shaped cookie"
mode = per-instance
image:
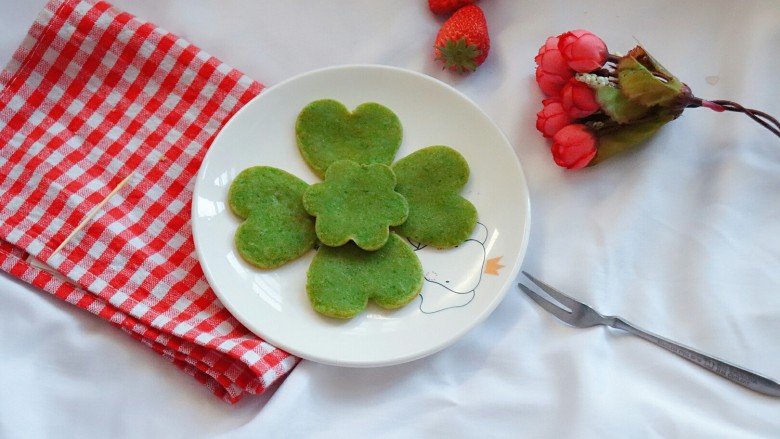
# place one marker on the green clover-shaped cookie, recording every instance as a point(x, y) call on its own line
point(341, 280)
point(355, 203)
point(362, 199)
point(276, 227)
point(431, 180)
point(326, 132)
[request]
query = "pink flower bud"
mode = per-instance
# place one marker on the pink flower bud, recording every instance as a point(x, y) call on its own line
point(552, 69)
point(574, 146)
point(550, 84)
point(583, 51)
point(551, 60)
point(578, 99)
point(552, 117)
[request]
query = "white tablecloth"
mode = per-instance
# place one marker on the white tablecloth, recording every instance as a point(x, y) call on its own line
point(681, 237)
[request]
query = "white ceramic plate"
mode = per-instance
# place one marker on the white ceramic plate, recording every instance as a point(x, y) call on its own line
point(463, 285)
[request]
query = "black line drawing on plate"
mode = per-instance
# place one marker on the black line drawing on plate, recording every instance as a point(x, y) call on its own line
point(447, 284)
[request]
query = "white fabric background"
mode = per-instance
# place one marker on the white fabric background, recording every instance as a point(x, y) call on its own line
point(681, 237)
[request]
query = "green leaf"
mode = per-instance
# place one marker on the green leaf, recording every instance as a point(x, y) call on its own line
point(617, 106)
point(626, 137)
point(459, 55)
point(645, 81)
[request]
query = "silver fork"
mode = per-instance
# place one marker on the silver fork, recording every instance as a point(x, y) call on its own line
point(582, 316)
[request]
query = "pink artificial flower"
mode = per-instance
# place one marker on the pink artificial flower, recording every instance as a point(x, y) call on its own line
point(578, 99)
point(584, 52)
point(552, 117)
point(552, 70)
point(550, 85)
point(550, 59)
point(574, 146)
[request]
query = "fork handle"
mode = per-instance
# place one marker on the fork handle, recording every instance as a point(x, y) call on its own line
point(739, 375)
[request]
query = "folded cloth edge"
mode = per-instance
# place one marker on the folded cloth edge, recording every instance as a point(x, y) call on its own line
point(230, 380)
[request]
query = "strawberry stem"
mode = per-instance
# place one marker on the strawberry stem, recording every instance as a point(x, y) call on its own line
point(459, 55)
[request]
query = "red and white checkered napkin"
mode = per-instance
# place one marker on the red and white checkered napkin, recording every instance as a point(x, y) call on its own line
point(95, 96)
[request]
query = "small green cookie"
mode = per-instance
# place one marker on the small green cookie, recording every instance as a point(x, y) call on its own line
point(431, 180)
point(355, 202)
point(326, 131)
point(277, 228)
point(341, 280)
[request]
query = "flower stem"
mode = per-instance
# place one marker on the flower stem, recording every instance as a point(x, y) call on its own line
point(766, 120)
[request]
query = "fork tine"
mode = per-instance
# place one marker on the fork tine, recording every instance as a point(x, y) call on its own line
point(555, 294)
point(550, 307)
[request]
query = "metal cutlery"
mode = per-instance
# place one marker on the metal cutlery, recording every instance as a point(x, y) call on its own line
point(580, 315)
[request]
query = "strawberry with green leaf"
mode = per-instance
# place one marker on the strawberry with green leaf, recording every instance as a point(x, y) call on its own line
point(463, 42)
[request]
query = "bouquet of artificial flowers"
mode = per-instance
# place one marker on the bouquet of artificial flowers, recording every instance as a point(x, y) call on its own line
point(599, 104)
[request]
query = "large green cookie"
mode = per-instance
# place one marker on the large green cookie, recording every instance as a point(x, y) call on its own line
point(355, 202)
point(341, 280)
point(326, 131)
point(277, 228)
point(431, 180)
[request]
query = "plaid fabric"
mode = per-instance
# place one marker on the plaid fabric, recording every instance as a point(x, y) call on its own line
point(92, 96)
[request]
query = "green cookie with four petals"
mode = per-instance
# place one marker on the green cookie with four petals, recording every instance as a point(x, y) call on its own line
point(431, 180)
point(341, 280)
point(326, 131)
point(276, 227)
point(355, 203)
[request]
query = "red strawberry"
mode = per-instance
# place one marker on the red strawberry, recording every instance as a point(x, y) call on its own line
point(447, 7)
point(463, 43)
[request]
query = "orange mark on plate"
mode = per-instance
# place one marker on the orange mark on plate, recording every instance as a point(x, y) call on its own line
point(493, 266)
